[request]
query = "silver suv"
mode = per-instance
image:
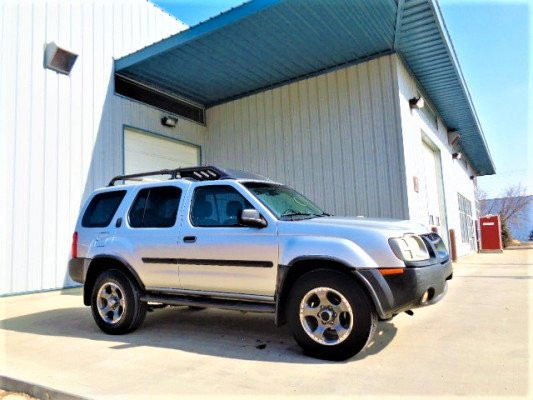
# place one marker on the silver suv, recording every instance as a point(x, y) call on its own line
point(210, 237)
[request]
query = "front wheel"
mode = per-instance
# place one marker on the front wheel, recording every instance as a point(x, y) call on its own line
point(116, 304)
point(330, 316)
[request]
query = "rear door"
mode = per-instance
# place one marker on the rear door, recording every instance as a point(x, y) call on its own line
point(151, 231)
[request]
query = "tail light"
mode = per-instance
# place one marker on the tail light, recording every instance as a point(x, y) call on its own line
point(74, 248)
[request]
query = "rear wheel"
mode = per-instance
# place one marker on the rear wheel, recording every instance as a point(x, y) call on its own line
point(116, 304)
point(330, 316)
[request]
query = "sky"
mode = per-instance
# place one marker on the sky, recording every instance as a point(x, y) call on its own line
point(494, 45)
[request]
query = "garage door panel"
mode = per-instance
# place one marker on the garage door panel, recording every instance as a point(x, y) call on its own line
point(147, 152)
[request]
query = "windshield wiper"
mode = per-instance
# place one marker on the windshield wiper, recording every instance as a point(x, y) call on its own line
point(298, 214)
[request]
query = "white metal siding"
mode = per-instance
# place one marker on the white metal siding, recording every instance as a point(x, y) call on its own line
point(61, 136)
point(455, 173)
point(334, 137)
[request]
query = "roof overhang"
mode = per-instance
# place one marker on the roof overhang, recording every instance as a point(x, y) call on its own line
point(266, 43)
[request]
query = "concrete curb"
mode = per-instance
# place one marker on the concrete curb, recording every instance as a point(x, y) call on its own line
point(37, 391)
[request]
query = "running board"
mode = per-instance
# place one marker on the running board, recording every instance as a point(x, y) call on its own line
point(210, 303)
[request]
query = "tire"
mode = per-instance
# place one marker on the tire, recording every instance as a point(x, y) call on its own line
point(330, 315)
point(126, 311)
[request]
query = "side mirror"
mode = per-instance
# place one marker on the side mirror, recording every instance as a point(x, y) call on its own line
point(251, 217)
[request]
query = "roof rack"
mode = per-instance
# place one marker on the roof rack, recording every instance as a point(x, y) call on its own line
point(206, 173)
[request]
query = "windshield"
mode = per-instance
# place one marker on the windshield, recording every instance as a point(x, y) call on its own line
point(285, 203)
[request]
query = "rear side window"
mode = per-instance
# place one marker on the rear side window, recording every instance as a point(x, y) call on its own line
point(101, 209)
point(155, 207)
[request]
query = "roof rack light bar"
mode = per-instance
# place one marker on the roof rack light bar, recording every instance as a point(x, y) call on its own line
point(207, 173)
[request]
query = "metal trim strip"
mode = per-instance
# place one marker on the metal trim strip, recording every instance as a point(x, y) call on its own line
point(198, 261)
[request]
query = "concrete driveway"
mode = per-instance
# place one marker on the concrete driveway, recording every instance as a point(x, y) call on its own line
point(474, 343)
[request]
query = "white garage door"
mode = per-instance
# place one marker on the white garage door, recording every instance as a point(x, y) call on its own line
point(147, 152)
point(430, 185)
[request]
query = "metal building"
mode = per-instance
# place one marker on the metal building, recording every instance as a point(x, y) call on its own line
point(359, 105)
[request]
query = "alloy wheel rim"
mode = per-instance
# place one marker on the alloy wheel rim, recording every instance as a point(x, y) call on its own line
point(326, 316)
point(111, 303)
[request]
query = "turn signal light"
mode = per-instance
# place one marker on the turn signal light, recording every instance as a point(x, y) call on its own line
point(391, 271)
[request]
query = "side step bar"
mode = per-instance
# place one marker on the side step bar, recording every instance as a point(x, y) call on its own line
point(210, 302)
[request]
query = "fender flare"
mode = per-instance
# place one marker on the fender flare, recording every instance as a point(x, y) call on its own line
point(87, 289)
point(283, 272)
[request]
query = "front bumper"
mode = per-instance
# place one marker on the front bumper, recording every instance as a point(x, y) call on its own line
point(396, 293)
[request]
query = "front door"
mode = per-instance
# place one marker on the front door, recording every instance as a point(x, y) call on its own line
point(219, 255)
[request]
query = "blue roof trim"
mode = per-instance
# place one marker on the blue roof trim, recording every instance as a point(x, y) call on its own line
point(424, 44)
point(490, 169)
point(267, 43)
point(195, 32)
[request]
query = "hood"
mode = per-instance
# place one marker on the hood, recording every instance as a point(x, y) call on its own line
point(335, 225)
point(369, 234)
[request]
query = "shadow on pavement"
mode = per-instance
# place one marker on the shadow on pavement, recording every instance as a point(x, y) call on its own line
point(499, 264)
point(493, 276)
point(72, 291)
point(210, 332)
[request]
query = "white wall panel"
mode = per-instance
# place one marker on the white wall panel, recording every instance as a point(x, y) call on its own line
point(61, 136)
point(334, 137)
point(455, 173)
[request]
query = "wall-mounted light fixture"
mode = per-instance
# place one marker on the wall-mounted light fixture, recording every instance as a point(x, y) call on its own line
point(417, 102)
point(453, 136)
point(472, 177)
point(58, 59)
point(457, 156)
point(169, 121)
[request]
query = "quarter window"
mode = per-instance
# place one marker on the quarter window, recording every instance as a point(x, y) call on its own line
point(101, 209)
point(155, 207)
point(217, 206)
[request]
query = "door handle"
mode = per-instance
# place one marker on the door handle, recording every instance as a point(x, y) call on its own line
point(189, 239)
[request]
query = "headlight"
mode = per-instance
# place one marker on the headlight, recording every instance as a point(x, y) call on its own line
point(409, 248)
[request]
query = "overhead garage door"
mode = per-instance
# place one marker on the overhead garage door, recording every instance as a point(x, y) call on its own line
point(144, 151)
point(431, 165)
point(432, 211)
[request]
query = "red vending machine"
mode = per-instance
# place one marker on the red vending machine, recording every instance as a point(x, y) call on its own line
point(490, 233)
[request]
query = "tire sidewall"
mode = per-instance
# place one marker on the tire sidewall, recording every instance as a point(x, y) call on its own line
point(130, 298)
point(364, 318)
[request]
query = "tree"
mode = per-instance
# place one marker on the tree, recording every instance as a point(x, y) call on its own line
point(507, 237)
point(481, 199)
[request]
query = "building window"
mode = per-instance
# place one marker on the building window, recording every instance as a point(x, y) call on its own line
point(136, 91)
point(465, 218)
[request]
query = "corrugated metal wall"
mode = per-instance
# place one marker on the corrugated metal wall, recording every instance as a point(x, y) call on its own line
point(419, 125)
point(61, 136)
point(334, 137)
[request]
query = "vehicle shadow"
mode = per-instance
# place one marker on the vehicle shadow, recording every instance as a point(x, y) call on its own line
point(212, 332)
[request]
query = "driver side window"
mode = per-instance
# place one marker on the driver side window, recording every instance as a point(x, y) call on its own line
point(217, 206)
